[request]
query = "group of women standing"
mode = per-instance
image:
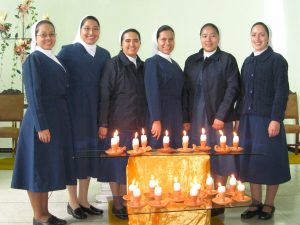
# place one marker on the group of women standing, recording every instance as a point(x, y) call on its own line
point(77, 100)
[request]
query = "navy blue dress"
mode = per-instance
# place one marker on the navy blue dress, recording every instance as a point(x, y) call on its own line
point(84, 94)
point(43, 167)
point(211, 89)
point(164, 84)
point(264, 96)
point(123, 105)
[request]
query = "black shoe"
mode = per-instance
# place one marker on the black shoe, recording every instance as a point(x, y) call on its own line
point(217, 211)
point(92, 210)
point(37, 222)
point(266, 215)
point(77, 213)
point(120, 213)
point(249, 214)
point(53, 220)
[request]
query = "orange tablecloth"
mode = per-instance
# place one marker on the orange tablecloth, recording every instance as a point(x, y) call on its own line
point(165, 168)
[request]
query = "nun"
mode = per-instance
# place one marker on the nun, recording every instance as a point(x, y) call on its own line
point(84, 60)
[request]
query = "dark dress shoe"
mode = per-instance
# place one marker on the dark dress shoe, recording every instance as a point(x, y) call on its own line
point(267, 215)
point(91, 210)
point(217, 211)
point(77, 213)
point(37, 222)
point(53, 220)
point(251, 213)
point(120, 213)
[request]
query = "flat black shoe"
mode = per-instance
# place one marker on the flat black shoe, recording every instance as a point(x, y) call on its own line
point(77, 213)
point(53, 220)
point(120, 213)
point(249, 214)
point(92, 210)
point(37, 222)
point(266, 215)
point(217, 211)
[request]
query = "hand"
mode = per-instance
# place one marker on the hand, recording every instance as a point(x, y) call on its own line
point(44, 136)
point(156, 129)
point(186, 126)
point(102, 132)
point(236, 125)
point(273, 128)
point(218, 124)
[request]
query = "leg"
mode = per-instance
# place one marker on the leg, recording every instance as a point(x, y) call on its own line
point(73, 201)
point(123, 191)
point(45, 203)
point(268, 207)
point(115, 190)
point(83, 192)
point(256, 206)
point(38, 205)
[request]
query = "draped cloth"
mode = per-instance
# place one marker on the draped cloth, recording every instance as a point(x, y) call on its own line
point(164, 169)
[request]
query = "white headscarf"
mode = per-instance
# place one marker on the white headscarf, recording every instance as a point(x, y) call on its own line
point(155, 50)
point(91, 49)
point(33, 37)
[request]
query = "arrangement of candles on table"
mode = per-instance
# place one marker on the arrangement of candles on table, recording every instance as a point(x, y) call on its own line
point(185, 140)
point(166, 140)
point(203, 138)
point(115, 141)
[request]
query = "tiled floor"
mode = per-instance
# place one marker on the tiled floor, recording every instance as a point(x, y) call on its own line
point(15, 208)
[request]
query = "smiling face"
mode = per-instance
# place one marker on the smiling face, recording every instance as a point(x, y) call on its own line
point(90, 31)
point(259, 38)
point(165, 42)
point(45, 36)
point(130, 44)
point(209, 39)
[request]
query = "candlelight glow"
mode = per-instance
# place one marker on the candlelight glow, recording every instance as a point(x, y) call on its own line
point(116, 133)
point(221, 133)
point(184, 133)
point(136, 134)
point(133, 181)
point(167, 133)
point(203, 131)
point(175, 179)
point(234, 134)
point(143, 131)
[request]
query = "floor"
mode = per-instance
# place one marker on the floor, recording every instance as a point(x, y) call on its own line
point(15, 208)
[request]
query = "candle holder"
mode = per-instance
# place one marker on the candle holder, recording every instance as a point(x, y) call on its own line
point(136, 200)
point(166, 145)
point(240, 195)
point(221, 196)
point(157, 199)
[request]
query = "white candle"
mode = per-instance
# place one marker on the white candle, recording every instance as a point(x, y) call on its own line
point(193, 191)
point(221, 189)
point(185, 140)
point(222, 139)
point(132, 186)
point(209, 180)
point(166, 139)
point(135, 142)
point(232, 180)
point(203, 135)
point(136, 192)
point(113, 141)
point(176, 185)
point(152, 182)
point(143, 138)
point(235, 140)
point(117, 138)
point(240, 186)
point(157, 191)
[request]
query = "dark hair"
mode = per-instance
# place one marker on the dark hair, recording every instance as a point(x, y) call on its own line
point(41, 23)
point(130, 30)
point(89, 18)
point(164, 28)
point(263, 25)
point(210, 25)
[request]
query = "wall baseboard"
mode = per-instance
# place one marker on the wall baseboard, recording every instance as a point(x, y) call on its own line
point(5, 150)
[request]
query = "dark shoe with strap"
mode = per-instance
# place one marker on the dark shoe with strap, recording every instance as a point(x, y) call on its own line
point(91, 210)
point(53, 220)
point(37, 222)
point(251, 213)
point(120, 213)
point(77, 213)
point(217, 211)
point(267, 215)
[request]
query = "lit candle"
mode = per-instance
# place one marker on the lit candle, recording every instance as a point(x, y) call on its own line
point(136, 195)
point(193, 194)
point(240, 190)
point(240, 186)
point(236, 140)
point(131, 187)
point(136, 192)
point(157, 193)
point(152, 182)
point(209, 183)
point(222, 139)
point(232, 183)
point(203, 138)
point(115, 140)
point(197, 185)
point(185, 140)
point(143, 139)
point(176, 185)
point(221, 191)
point(135, 142)
point(166, 140)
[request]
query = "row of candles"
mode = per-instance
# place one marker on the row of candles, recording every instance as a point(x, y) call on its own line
point(156, 190)
point(166, 140)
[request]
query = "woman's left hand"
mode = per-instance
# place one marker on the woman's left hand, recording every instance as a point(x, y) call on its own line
point(218, 124)
point(273, 128)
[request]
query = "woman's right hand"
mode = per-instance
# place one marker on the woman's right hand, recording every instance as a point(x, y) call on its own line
point(102, 132)
point(44, 136)
point(156, 129)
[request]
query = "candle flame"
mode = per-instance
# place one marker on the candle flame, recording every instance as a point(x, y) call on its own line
point(234, 134)
point(116, 133)
point(143, 131)
point(156, 183)
point(175, 179)
point(203, 131)
point(137, 184)
point(184, 133)
point(133, 181)
point(167, 133)
point(219, 184)
point(221, 132)
point(232, 175)
point(208, 175)
point(152, 177)
point(239, 182)
point(136, 134)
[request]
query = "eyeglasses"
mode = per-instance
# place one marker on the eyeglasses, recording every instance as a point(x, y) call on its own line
point(43, 35)
point(212, 35)
point(94, 29)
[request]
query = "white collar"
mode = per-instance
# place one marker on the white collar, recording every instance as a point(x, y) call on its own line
point(167, 57)
point(49, 54)
point(132, 59)
point(208, 54)
point(256, 53)
point(91, 49)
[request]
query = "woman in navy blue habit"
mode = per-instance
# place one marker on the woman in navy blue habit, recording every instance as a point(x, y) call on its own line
point(85, 62)
point(261, 107)
point(44, 153)
point(123, 106)
point(164, 84)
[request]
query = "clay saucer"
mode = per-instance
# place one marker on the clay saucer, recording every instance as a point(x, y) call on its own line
point(146, 149)
point(185, 150)
point(166, 150)
point(225, 150)
point(163, 204)
point(149, 195)
point(202, 194)
point(127, 197)
point(141, 204)
point(201, 148)
point(134, 152)
point(189, 202)
point(228, 193)
point(246, 198)
point(119, 151)
point(180, 198)
point(220, 202)
point(212, 193)
point(236, 149)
